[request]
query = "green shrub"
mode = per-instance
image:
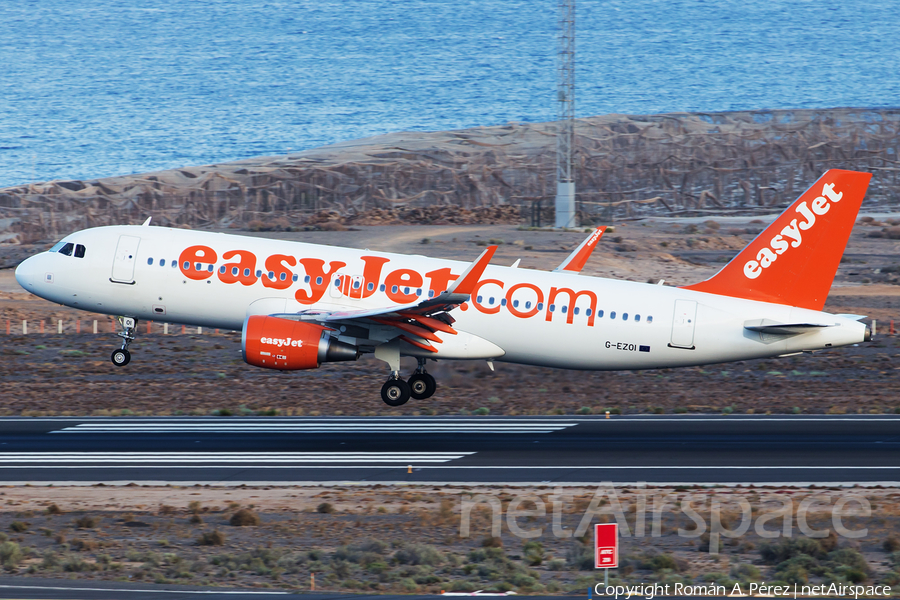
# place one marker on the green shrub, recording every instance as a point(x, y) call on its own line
point(777, 553)
point(10, 554)
point(556, 565)
point(534, 553)
point(892, 543)
point(492, 542)
point(482, 411)
point(53, 509)
point(18, 526)
point(325, 508)
point(418, 554)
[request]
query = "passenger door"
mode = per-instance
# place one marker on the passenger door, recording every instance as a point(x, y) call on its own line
point(683, 324)
point(123, 262)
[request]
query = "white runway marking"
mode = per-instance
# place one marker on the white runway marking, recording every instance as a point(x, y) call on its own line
point(494, 426)
point(207, 459)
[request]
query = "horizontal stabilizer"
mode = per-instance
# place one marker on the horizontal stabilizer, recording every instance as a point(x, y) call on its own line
point(775, 328)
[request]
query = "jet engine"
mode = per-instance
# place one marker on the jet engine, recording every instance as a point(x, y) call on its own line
point(276, 343)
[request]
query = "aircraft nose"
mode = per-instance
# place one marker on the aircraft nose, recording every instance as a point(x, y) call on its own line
point(25, 274)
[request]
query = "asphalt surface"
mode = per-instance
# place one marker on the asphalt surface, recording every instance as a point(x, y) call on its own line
point(728, 450)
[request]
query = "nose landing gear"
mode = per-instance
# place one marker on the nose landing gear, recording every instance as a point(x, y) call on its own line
point(122, 356)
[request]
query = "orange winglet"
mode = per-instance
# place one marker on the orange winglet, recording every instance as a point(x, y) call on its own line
point(410, 328)
point(468, 280)
point(575, 262)
point(429, 322)
point(423, 346)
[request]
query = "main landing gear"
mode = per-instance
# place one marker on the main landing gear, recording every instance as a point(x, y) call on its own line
point(122, 356)
point(421, 385)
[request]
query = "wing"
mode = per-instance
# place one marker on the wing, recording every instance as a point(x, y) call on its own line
point(421, 320)
point(575, 262)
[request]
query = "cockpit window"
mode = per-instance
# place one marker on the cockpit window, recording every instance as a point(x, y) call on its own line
point(67, 249)
point(79, 251)
point(57, 246)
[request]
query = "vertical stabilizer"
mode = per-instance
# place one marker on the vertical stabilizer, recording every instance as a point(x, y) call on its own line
point(794, 260)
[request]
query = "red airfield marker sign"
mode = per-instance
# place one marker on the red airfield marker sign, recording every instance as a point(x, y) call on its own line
point(606, 545)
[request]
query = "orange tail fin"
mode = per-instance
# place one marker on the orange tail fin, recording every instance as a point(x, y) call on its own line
point(794, 260)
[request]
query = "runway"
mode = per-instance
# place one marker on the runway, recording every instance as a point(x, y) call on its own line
point(672, 450)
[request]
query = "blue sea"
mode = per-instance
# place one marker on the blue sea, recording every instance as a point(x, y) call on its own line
point(92, 88)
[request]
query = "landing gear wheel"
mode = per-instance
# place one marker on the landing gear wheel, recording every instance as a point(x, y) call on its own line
point(395, 392)
point(422, 385)
point(120, 357)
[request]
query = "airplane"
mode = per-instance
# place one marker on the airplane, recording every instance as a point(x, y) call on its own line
point(299, 305)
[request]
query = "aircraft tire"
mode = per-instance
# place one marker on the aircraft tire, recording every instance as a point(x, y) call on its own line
point(395, 392)
point(120, 357)
point(422, 385)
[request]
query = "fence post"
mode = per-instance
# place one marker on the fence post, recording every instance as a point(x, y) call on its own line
point(95, 326)
point(24, 327)
point(59, 326)
point(165, 329)
point(199, 331)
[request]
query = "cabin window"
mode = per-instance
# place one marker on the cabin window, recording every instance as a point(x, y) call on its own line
point(515, 304)
point(382, 288)
point(587, 312)
point(552, 308)
point(162, 262)
point(503, 302)
point(187, 265)
point(599, 314)
point(337, 283)
point(637, 318)
point(149, 261)
point(246, 272)
point(67, 249)
point(394, 289)
point(575, 310)
point(527, 304)
point(478, 299)
point(540, 306)
point(419, 292)
point(431, 293)
point(79, 251)
point(318, 281)
point(283, 276)
point(565, 308)
point(306, 279)
point(356, 284)
point(259, 272)
point(198, 267)
point(209, 268)
point(235, 271)
point(370, 286)
point(612, 315)
point(222, 269)
point(295, 277)
point(406, 290)
point(174, 264)
point(624, 316)
point(649, 319)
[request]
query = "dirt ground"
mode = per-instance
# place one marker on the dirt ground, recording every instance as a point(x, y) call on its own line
point(412, 539)
point(195, 373)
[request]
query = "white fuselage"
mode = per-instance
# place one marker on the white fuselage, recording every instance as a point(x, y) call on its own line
point(515, 315)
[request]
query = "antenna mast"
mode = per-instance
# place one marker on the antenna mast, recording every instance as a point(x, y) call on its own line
point(565, 122)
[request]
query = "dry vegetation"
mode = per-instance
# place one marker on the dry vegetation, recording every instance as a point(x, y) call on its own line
point(406, 540)
point(626, 165)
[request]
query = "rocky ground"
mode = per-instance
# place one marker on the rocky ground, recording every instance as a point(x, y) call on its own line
point(187, 373)
point(410, 539)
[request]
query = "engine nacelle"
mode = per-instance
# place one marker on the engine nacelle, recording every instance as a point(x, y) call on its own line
point(275, 343)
